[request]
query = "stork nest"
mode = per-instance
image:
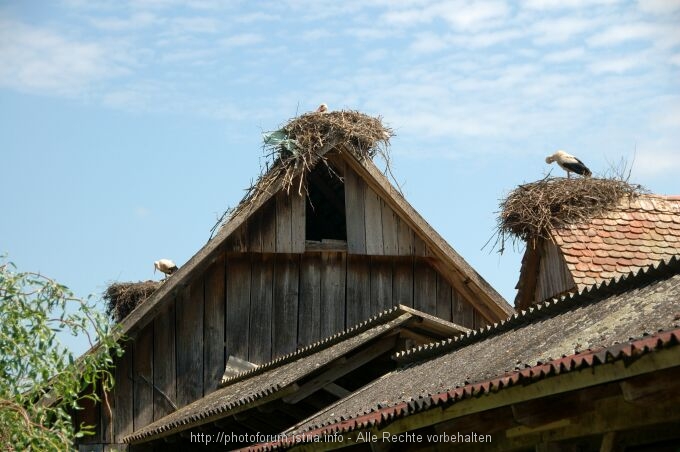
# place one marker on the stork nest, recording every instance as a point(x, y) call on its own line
point(123, 298)
point(299, 145)
point(531, 210)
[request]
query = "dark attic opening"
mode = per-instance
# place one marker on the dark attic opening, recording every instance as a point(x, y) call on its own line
point(325, 210)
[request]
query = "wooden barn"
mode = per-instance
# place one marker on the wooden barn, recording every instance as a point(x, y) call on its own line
point(290, 274)
point(597, 371)
point(633, 234)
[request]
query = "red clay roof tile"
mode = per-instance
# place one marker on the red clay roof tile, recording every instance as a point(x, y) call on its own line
point(636, 234)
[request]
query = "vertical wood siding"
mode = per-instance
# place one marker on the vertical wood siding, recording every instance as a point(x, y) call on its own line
point(554, 277)
point(266, 297)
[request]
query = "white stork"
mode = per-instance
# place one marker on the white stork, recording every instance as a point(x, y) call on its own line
point(569, 163)
point(164, 266)
point(323, 108)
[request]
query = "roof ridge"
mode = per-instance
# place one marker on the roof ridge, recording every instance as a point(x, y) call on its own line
point(381, 317)
point(592, 294)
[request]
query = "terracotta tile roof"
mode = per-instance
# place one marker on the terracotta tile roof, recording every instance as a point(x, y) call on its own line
point(636, 234)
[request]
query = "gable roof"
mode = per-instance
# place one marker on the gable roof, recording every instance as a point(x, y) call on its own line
point(280, 377)
point(549, 339)
point(635, 234)
point(462, 276)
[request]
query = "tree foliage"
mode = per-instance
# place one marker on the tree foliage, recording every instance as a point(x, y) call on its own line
point(41, 383)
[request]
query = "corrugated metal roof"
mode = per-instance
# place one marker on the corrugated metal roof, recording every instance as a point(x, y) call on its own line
point(272, 377)
point(382, 415)
point(581, 330)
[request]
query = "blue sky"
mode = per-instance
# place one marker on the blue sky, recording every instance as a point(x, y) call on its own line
point(128, 127)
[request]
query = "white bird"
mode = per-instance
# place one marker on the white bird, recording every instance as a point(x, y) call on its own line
point(164, 266)
point(323, 108)
point(569, 163)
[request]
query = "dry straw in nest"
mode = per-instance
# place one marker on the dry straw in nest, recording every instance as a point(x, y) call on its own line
point(295, 149)
point(531, 210)
point(123, 298)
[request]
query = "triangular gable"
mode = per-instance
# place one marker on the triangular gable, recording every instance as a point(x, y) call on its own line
point(236, 235)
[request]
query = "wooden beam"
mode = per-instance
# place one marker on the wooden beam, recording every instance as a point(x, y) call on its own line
point(326, 245)
point(608, 442)
point(337, 390)
point(341, 367)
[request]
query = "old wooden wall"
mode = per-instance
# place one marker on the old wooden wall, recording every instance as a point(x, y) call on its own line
point(258, 306)
point(271, 292)
point(553, 277)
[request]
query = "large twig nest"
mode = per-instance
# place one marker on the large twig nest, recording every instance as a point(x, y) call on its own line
point(123, 298)
point(531, 210)
point(293, 150)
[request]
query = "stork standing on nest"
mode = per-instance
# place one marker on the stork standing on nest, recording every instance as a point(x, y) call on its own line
point(569, 163)
point(165, 266)
point(323, 108)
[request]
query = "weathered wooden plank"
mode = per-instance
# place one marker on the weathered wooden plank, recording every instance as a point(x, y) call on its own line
point(405, 238)
point(123, 395)
point(164, 364)
point(494, 307)
point(443, 298)
point(260, 344)
point(462, 312)
point(238, 305)
point(381, 284)
point(309, 317)
point(143, 378)
point(189, 342)
point(424, 287)
point(214, 353)
point(390, 230)
point(402, 283)
point(419, 246)
point(268, 225)
point(238, 241)
point(374, 231)
point(358, 289)
point(284, 235)
point(286, 294)
point(355, 213)
point(90, 414)
point(255, 232)
point(297, 218)
point(333, 278)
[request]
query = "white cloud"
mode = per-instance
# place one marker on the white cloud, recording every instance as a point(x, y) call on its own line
point(40, 60)
point(655, 161)
point(553, 31)
point(564, 56)
point(565, 4)
point(618, 34)
point(241, 40)
point(133, 22)
point(617, 65)
point(661, 7)
point(428, 43)
point(465, 15)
